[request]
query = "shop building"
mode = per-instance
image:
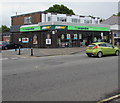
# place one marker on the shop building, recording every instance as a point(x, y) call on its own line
point(6, 36)
point(44, 30)
point(114, 22)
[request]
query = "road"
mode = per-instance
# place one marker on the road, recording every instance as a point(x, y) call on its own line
point(59, 78)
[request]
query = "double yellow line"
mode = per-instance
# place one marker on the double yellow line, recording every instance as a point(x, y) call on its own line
point(109, 99)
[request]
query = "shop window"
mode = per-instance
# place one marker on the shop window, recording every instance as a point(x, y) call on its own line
point(75, 20)
point(86, 21)
point(49, 18)
point(28, 20)
point(58, 19)
point(90, 21)
point(61, 19)
point(96, 22)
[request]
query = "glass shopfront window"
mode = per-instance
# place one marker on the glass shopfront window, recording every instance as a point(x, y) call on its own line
point(68, 40)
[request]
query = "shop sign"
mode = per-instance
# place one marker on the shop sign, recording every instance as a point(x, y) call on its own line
point(60, 27)
point(52, 27)
point(89, 28)
point(25, 40)
point(68, 36)
point(46, 27)
point(75, 36)
point(115, 35)
point(33, 28)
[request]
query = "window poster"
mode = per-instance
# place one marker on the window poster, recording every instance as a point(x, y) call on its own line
point(62, 36)
point(68, 36)
point(35, 41)
point(48, 41)
point(75, 36)
point(48, 36)
point(25, 40)
point(80, 36)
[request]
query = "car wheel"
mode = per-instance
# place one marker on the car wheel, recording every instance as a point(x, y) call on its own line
point(117, 53)
point(99, 54)
point(88, 55)
point(6, 48)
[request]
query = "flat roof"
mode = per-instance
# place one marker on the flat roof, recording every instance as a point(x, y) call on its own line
point(73, 24)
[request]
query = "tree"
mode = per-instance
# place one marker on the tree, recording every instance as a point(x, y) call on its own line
point(118, 14)
point(4, 28)
point(60, 9)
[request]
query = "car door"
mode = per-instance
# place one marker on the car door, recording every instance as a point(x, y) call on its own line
point(11, 46)
point(103, 47)
point(110, 49)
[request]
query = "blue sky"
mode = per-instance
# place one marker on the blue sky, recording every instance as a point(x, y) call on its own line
point(103, 9)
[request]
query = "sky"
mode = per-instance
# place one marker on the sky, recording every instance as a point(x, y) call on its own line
point(103, 8)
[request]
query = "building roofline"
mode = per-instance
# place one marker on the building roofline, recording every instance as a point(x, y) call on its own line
point(27, 13)
point(51, 13)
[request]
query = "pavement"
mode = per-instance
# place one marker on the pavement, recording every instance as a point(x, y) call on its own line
point(40, 52)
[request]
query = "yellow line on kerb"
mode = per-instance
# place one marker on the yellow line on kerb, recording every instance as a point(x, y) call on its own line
point(108, 99)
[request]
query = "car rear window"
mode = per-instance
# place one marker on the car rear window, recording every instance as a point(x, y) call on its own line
point(102, 45)
point(91, 45)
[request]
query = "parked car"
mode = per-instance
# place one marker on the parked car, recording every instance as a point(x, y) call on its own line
point(6, 45)
point(101, 48)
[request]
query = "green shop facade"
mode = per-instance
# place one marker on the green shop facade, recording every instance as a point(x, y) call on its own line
point(56, 35)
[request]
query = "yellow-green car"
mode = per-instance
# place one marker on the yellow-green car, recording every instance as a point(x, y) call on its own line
point(101, 48)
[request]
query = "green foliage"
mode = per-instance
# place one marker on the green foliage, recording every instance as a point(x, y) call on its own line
point(0, 30)
point(118, 14)
point(60, 9)
point(4, 28)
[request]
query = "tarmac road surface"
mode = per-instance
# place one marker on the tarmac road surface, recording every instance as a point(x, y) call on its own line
point(59, 78)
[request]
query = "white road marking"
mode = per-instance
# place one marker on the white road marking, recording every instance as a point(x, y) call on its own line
point(4, 59)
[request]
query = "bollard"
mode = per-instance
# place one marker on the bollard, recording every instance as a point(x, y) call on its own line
point(19, 53)
point(31, 51)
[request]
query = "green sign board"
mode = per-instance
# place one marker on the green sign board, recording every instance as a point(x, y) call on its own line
point(33, 28)
point(62, 27)
point(88, 28)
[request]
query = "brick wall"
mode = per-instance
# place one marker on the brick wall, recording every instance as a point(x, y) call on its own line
point(19, 20)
